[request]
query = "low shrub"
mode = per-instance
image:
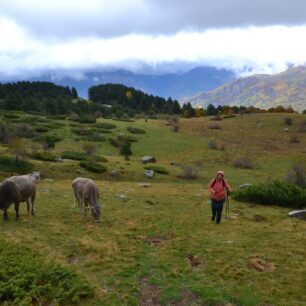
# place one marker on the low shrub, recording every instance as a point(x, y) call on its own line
point(44, 156)
point(83, 131)
point(93, 167)
point(96, 137)
point(74, 155)
point(86, 119)
point(11, 116)
point(48, 138)
point(105, 125)
point(276, 193)
point(57, 117)
point(214, 126)
point(9, 164)
point(124, 119)
point(190, 172)
point(157, 169)
point(288, 121)
point(41, 129)
point(243, 163)
point(294, 139)
point(212, 145)
point(121, 140)
point(27, 278)
point(134, 130)
point(229, 116)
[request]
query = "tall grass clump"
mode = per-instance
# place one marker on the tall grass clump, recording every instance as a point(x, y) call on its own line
point(276, 193)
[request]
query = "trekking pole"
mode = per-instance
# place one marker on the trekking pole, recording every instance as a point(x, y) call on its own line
point(227, 207)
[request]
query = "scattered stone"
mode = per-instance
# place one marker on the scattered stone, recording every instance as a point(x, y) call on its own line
point(122, 196)
point(261, 265)
point(297, 213)
point(149, 173)
point(246, 185)
point(79, 171)
point(115, 172)
point(174, 163)
point(58, 160)
point(148, 159)
point(144, 185)
point(286, 129)
point(109, 154)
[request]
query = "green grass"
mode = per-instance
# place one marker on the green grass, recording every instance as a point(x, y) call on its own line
point(150, 233)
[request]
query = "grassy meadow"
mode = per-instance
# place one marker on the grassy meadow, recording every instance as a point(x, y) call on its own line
point(157, 245)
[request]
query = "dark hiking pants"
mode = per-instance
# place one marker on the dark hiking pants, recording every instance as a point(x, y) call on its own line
point(217, 207)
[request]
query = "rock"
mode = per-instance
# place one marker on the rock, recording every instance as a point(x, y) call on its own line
point(244, 186)
point(59, 160)
point(79, 171)
point(144, 185)
point(297, 213)
point(121, 196)
point(148, 159)
point(115, 172)
point(286, 129)
point(174, 163)
point(149, 173)
point(109, 154)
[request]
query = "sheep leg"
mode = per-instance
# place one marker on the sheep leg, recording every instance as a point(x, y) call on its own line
point(5, 217)
point(28, 206)
point(32, 204)
point(17, 210)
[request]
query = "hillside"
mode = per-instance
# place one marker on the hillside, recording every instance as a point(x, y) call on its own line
point(264, 91)
point(155, 243)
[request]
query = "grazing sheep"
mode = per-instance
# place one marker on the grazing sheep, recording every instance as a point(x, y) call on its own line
point(87, 194)
point(17, 189)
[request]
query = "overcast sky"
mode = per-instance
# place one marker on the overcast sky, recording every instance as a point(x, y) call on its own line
point(262, 36)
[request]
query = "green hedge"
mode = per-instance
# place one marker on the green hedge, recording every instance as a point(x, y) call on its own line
point(74, 155)
point(27, 278)
point(276, 193)
point(134, 130)
point(93, 167)
point(105, 125)
point(157, 169)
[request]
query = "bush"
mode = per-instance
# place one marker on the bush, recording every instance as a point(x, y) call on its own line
point(11, 116)
point(121, 140)
point(86, 119)
point(44, 156)
point(294, 139)
point(134, 130)
point(297, 175)
point(74, 155)
point(288, 121)
point(57, 117)
point(212, 145)
point(217, 118)
point(27, 278)
point(8, 164)
point(229, 116)
point(276, 193)
point(83, 131)
point(48, 138)
point(157, 169)
point(41, 129)
point(96, 137)
point(93, 167)
point(190, 172)
point(243, 163)
point(214, 126)
point(105, 125)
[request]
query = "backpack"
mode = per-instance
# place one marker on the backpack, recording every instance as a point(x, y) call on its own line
point(214, 182)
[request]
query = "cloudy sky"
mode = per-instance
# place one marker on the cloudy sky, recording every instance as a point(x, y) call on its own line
point(262, 36)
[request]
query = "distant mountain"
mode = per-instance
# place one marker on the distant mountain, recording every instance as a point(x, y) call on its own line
point(175, 85)
point(264, 91)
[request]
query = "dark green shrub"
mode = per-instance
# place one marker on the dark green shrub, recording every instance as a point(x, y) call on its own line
point(86, 119)
point(229, 116)
point(276, 193)
point(121, 140)
point(157, 169)
point(27, 278)
point(44, 156)
point(124, 119)
point(101, 159)
point(57, 117)
point(134, 130)
point(105, 125)
point(93, 167)
point(41, 129)
point(96, 137)
point(9, 164)
point(83, 131)
point(11, 116)
point(74, 155)
point(48, 138)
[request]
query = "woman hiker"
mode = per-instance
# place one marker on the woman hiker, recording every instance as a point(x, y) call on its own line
point(218, 189)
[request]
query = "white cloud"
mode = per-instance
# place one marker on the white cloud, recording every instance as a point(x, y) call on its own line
point(260, 49)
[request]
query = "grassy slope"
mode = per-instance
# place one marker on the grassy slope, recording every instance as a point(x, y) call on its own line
point(152, 233)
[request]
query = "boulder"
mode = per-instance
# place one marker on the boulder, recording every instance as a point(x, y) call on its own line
point(144, 185)
point(244, 186)
point(122, 196)
point(115, 172)
point(297, 213)
point(174, 163)
point(286, 129)
point(149, 173)
point(148, 159)
point(59, 160)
